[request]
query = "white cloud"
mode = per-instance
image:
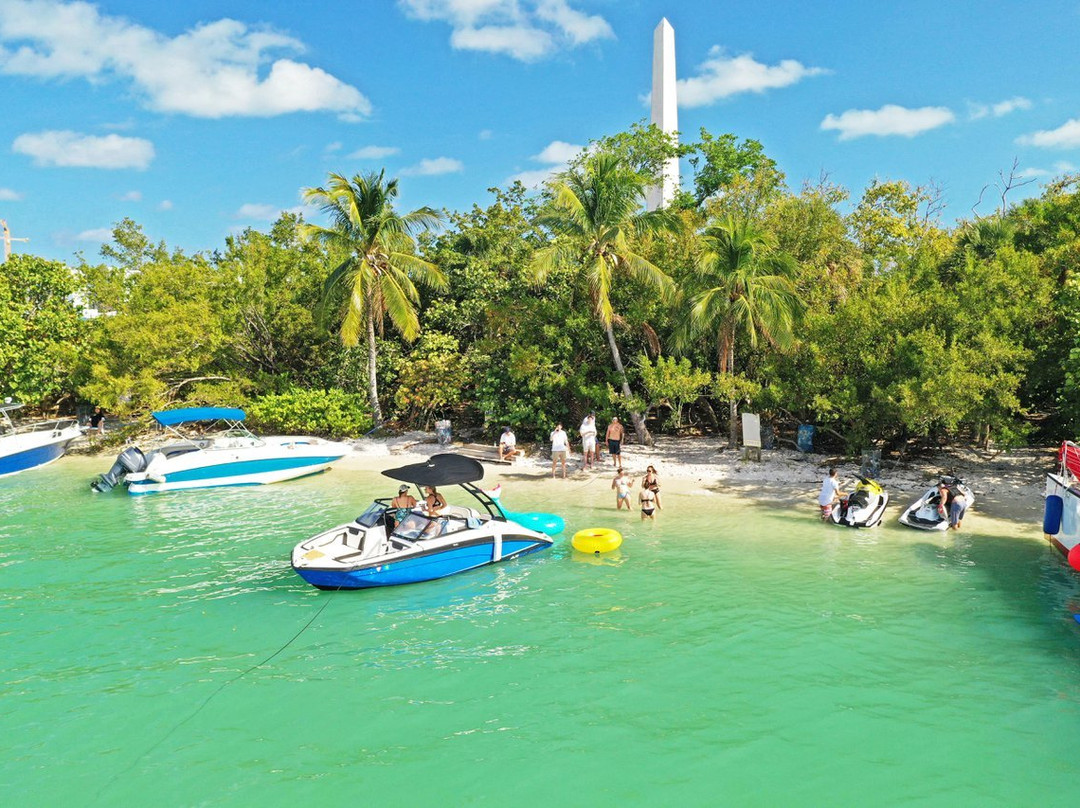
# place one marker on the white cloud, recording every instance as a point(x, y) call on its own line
point(1011, 105)
point(485, 134)
point(131, 196)
point(998, 110)
point(721, 76)
point(373, 152)
point(99, 234)
point(579, 27)
point(558, 151)
point(267, 213)
point(429, 167)
point(165, 204)
point(523, 29)
point(1059, 168)
point(213, 70)
point(8, 195)
point(889, 120)
point(64, 148)
point(1066, 136)
point(556, 154)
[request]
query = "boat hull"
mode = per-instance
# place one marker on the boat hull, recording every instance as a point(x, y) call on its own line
point(1068, 533)
point(428, 567)
point(232, 473)
point(22, 452)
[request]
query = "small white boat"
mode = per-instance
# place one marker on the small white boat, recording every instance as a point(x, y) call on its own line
point(925, 512)
point(29, 446)
point(231, 457)
point(863, 507)
point(386, 548)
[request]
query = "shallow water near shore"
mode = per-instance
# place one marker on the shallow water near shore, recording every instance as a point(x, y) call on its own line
point(160, 650)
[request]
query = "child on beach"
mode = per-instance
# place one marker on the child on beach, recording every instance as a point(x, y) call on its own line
point(621, 485)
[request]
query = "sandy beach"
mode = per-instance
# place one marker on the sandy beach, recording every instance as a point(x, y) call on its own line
point(1007, 484)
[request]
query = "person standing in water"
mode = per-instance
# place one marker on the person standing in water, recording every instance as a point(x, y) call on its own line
point(621, 485)
point(647, 500)
point(830, 493)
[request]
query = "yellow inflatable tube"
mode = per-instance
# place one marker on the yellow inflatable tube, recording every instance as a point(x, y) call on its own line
point(596, 540)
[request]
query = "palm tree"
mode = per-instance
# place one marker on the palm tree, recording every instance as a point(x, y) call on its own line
point(747, 289)
point(378, 273)
point(594, 213)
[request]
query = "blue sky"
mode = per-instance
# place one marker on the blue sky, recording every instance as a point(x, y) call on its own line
point(201, 118)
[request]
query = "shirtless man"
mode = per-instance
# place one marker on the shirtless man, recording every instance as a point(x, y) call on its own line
point(614, 436)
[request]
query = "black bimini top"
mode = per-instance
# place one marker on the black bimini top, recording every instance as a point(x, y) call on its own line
point(440, 469)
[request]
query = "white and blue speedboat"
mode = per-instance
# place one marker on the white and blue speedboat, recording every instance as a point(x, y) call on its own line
point(29, 446)
point(383, 547)
point(233, 456)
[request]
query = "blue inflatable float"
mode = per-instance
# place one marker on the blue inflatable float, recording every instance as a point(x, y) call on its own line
point(550, 523)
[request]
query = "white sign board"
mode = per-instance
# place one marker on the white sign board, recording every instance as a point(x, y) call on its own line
point(751, 430)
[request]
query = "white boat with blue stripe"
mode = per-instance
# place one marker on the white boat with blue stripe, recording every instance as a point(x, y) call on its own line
point(29, 446)
point(385, 546)
point(233, 456)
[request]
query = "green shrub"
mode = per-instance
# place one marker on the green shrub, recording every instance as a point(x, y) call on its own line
point(329, 413)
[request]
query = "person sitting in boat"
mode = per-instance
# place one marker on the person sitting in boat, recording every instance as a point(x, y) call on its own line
point(400, 507)
point(434, 504)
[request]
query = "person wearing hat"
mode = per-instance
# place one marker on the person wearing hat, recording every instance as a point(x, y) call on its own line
point(507, 444)
point(402, 506)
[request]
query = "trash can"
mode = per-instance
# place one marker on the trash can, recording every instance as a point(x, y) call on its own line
point(804, 441)
point(442, 433)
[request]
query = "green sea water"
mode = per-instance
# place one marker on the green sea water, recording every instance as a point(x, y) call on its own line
point(160, 651)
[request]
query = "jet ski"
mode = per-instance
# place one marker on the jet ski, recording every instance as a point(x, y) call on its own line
point(925, 512)
point(863, 507)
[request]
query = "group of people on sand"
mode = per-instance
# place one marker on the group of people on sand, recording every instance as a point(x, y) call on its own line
point(591, 451)
point(648, 496)
point(561, 447)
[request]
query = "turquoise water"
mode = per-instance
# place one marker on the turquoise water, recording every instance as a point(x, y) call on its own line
point(159, 651)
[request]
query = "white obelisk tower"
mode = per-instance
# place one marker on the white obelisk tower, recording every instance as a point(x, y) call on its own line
point(664, 110)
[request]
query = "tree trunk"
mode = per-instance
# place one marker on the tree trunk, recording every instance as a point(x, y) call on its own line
point(373, 383)
point(727, 365)
point(642, 433)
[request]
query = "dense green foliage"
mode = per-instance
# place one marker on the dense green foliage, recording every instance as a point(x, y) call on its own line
point(869, 317)
point(304, 412)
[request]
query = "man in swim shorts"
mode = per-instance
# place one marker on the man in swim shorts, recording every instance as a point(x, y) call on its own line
point(614, 436)
point(621, 485)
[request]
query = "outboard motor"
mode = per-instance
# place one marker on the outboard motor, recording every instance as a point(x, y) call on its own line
point(127, 462)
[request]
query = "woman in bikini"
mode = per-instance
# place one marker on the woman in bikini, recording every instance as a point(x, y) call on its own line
point(647, 499)
point(650, 480)
point(435, 503)
point(622, 485)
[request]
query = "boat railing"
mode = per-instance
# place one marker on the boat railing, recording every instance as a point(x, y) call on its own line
point(26, 428)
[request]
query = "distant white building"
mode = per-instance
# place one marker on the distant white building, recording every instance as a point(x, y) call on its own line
point(665, 112)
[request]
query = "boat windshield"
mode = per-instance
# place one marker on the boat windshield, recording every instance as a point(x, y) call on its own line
point(371, 516)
